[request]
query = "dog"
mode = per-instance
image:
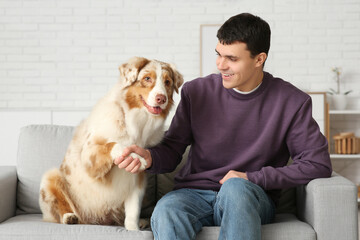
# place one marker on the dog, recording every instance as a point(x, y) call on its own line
point(89, 188)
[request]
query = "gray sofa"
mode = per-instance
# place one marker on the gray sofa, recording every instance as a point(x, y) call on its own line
point(324, 209)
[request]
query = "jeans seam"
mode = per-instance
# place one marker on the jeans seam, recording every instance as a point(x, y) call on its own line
point(221, 209)
point(153, 229)
point(218, 198)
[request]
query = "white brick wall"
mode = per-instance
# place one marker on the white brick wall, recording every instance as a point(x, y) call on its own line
point(65, 53)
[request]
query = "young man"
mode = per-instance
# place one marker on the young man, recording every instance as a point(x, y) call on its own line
point(243, 125)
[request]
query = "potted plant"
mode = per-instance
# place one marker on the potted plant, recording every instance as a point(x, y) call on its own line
point(339, 99)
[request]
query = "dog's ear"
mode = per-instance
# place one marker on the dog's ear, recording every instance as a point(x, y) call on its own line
point(178, 78)
point(129, 71)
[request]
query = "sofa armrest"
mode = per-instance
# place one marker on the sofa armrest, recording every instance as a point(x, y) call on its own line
point(8, 183)
point(329, 205)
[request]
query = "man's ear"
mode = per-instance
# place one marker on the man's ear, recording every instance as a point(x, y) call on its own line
point(260, 59)
point(129, 71)
point(178, 78)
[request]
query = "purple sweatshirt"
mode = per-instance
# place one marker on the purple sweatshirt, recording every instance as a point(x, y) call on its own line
point(254, 133)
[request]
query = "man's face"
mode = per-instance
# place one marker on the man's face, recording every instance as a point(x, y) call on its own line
point(238, 69)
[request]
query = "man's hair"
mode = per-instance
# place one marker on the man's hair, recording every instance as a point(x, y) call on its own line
point(249, 29)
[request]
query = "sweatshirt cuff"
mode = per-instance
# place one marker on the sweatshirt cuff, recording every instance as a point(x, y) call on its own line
point(257, 178)
point(151, 169)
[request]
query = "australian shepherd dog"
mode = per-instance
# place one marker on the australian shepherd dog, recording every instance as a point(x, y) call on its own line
point(89, 188)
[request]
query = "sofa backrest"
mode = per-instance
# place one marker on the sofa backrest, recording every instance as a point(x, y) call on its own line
point(42, 147)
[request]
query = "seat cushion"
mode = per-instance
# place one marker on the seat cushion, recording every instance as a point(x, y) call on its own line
point(42, 147)
point(287, 226)
point(30, 226)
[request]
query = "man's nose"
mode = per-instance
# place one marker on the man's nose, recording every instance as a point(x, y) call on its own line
point(221, 63)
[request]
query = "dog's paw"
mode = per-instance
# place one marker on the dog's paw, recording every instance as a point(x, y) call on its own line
point(144, 223)
point(131, 225)
point(116, 151)
point(142, 161)
point(70, 218)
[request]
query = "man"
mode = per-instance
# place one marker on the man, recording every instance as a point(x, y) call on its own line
point(243, 125)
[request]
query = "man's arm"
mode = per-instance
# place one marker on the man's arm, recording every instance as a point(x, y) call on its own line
point(308, 149)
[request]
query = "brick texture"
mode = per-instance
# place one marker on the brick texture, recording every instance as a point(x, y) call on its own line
point(65, 53)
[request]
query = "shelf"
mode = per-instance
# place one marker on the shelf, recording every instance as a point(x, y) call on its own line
point(345, 156)
point(357, 111)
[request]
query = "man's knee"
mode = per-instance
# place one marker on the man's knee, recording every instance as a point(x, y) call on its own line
point(238, 191)
point(164, 207)
point(168, 208)
point(174, 216)
point(235, 185)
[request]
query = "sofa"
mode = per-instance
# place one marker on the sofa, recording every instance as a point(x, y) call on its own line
point(324, 209)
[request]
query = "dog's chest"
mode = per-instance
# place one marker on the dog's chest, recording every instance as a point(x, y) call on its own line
point(109, 194)
point(143, 129)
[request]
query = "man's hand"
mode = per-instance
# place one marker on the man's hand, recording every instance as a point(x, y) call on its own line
point(133, 164)
point(233, 174)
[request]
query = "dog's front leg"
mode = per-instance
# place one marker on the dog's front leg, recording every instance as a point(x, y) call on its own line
point(133, 204)
point(96, 157)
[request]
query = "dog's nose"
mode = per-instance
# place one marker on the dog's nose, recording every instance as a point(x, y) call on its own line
point(160, 99)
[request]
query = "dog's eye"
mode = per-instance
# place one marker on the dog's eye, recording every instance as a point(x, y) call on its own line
point(167, 82)
point(148, 79)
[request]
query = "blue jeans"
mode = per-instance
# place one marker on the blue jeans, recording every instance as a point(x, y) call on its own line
point(239, 208)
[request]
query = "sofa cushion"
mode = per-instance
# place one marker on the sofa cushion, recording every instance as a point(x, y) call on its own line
point(30, 226)
point(8, 182)
point(42, 147)
point(287, 226)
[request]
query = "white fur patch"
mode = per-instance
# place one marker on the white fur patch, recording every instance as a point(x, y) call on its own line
point(116, 151)
point(159, 89)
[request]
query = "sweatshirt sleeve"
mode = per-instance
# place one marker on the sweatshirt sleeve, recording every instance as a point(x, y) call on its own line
point(308, 149)
point(168, 154)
